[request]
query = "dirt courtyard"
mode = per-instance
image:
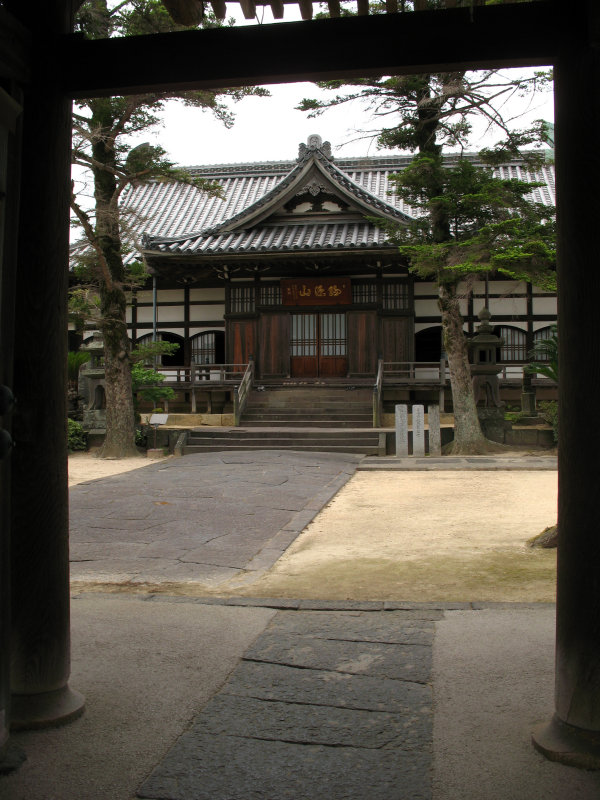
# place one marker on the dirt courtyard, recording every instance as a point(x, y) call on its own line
point(414, 536)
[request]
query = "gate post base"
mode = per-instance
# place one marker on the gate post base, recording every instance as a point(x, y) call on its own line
point(566, 744)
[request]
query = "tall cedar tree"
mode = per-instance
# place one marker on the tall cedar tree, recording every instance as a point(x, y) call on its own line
point(101, 130)
point(427, 112)
point(492, 227)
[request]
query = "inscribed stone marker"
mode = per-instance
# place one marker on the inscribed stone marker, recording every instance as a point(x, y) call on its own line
point(418, 420)
point(401, 430)
point(435, 434)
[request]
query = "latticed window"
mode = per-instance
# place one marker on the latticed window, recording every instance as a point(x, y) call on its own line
point(395, 296)
point(542, 335)
point(515, 344)
point(203, 348)
point(364, 293)
point(270, 295)
point(242, 299)
point(304, 340)
point(333, 334)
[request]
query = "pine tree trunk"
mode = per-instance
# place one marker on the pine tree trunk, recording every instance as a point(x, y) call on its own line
point(468, 437)
point(119, 441)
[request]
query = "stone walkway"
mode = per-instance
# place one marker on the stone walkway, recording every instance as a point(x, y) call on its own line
point(325, 704)
point(217, 518)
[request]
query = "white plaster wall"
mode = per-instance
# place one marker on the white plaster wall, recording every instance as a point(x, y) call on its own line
point(504, 305)
point(208, 294)
point(207, 312)
point(194, 331)
point(539, 325)
point(426, 308)
point(144, 315)
point(544, 305)
point(425, 288)
point(170, 314)
point(170, 296)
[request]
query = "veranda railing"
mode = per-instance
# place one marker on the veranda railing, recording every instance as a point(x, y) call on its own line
point(241, 392)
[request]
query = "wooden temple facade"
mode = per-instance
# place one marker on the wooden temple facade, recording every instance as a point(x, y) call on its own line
point(43, 66)
point(290, 269)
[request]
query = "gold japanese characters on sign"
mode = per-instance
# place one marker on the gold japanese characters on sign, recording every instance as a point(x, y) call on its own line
point(316, 292)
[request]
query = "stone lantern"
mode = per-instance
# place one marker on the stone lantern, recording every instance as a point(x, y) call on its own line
point(484, 371)
point(92, 386)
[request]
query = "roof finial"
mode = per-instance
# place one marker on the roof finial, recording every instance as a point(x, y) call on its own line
point(314, 143)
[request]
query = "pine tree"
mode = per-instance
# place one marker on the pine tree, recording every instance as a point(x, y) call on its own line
point(104, 262)
point(428, 112)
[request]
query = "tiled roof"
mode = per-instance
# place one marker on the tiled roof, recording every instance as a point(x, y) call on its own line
point(177, 218)
point(278, 238)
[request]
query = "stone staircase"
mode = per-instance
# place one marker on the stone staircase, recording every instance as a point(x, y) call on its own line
point(310, 407)
point(307, 418)
point(317, 440)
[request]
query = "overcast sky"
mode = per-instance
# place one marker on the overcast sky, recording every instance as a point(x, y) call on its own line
point(270, 128)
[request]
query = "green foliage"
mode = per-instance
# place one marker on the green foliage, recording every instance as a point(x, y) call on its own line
point(141, 437)
point(75, 358)
point(146, 380)
point(545, 355)
point(471, 222)
point(148, 352)
point(548, 411)
point(76, 436)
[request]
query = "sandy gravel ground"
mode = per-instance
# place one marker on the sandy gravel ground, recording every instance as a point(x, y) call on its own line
point(86, 467)
point(452, 536)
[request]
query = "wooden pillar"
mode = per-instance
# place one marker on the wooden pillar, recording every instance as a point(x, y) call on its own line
point(10, 113)
point(40, 636)
point(573, 736)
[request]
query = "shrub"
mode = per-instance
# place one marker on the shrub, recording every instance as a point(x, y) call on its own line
point(76, 436)
point(548, 411)
point(141, 437)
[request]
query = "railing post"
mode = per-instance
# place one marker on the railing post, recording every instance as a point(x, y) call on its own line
point(442, 400)
point(236, 406)
point(377, 392)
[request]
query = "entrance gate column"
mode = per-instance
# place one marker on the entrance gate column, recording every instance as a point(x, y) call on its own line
point(40, 635)
point(573, 736)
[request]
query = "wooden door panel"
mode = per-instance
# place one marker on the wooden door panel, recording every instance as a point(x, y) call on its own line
point(274, 346)
point(304, 366)
point(362, 342)
point(398, 338)
point(241, 336)
point(333, 366)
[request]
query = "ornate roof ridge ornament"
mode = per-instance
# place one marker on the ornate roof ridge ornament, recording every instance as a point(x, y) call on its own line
point(314, 143)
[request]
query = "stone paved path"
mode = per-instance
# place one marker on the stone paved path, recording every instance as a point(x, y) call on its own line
point(325, 704)
point(215, 518)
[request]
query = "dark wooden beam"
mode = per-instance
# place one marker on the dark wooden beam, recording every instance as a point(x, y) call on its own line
point(220, 8)
point(277, 8)
point(185, 12)
point(306, 9)
point(15, 46)
point(460, 38)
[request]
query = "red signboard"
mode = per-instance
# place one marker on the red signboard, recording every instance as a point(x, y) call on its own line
point(316, 292)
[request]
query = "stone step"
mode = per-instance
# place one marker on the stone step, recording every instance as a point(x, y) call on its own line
point(294, 413)
point(305, 422)
point(221, 445)
point(362, 442)
point(257, 433)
